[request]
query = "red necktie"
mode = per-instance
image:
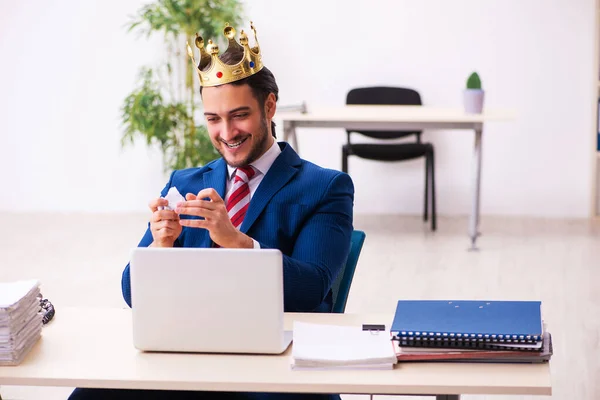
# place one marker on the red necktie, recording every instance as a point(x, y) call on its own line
point(239, 200)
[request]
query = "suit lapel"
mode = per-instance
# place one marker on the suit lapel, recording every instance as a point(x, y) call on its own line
point(215, 178)
point(281, 172)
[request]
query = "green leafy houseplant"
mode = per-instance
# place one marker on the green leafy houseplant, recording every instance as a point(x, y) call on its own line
point(163, 106)
point(474, 82)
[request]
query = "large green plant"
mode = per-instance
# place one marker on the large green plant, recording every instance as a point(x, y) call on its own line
point(163, 106)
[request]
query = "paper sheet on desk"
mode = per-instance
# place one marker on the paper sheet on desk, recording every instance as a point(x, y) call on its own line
point(322, 346)
point(11, 293)
point(20, 320)
point(173, 197)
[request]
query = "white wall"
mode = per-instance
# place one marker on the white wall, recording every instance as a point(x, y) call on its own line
point(63, 79)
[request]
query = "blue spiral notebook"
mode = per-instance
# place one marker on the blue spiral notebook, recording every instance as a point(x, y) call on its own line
point(462, 320)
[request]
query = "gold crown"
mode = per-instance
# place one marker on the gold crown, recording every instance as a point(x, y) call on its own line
point(212, 71)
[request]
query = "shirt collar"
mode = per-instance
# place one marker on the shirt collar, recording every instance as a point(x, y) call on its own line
point(263, 164)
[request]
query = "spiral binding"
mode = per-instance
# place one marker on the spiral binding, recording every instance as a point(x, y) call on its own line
point(469, 337)
point(449, 344)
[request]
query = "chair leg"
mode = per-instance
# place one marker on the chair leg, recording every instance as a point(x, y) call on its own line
point(344, 160)
point(426, 197)
point(433, 210)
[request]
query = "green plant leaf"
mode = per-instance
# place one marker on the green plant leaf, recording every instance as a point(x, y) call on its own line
point(474, 82)
point(186, 17)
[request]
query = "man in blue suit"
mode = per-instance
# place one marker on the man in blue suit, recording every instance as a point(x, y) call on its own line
point(259, 194)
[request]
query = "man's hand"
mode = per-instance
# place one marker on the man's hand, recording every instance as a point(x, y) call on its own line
point(210, 206)
point(164, 224)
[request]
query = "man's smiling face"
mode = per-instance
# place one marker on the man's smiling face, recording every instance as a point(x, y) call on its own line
point(237, 123)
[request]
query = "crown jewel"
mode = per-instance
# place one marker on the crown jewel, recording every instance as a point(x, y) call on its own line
point(212, 71)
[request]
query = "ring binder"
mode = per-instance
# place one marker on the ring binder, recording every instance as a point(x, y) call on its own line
point(435, 322)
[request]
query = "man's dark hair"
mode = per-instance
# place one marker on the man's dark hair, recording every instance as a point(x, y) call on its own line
point(262, 83)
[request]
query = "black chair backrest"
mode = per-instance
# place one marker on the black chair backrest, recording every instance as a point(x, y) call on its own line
point(384, 95)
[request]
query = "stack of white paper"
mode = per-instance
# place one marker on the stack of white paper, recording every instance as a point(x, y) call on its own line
point(341, 347)
point(20, 320)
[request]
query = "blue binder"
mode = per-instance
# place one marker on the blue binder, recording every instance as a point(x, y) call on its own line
point(460, 320)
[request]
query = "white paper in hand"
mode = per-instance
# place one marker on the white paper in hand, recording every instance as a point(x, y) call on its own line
point(173, 197)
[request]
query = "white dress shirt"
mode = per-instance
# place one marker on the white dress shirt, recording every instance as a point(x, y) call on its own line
point(261, 166)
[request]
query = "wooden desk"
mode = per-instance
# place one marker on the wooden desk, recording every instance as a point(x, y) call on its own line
point(93, 348)
point(400, 118)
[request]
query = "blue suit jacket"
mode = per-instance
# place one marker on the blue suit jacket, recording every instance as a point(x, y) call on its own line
point(299, 208)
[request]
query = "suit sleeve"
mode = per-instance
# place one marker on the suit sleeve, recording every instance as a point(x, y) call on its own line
point(321, 248)
point(145, 242)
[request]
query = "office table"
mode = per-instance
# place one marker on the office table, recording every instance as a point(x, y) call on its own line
point(87, 347)
point(379, 117)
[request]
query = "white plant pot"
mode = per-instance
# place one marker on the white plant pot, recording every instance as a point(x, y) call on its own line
point(473, 101)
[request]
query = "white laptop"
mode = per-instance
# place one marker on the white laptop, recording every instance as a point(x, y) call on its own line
point(210, 300)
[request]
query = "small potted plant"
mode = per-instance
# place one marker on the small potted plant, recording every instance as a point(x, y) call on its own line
point(473, 96)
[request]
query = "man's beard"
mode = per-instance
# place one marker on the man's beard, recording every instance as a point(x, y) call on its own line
point(257, 149)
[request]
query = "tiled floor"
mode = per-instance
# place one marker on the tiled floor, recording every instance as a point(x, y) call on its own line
point(79, 259)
